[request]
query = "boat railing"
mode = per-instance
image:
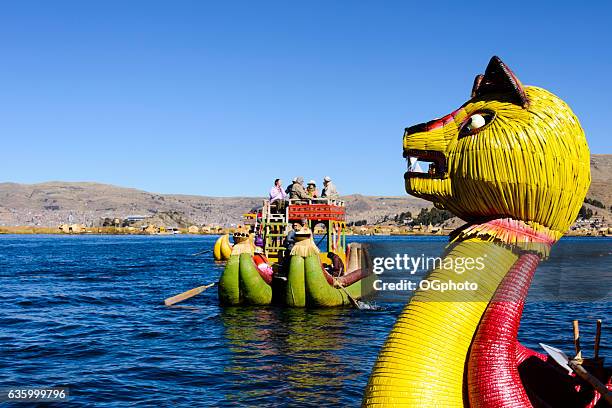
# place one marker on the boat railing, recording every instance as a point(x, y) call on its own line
point(320, 209)
point(274, 226)
point(275, 222)
point(314, 201)
point(268, 215)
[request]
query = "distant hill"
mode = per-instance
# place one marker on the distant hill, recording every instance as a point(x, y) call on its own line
point(601, 178)
point(54, 203)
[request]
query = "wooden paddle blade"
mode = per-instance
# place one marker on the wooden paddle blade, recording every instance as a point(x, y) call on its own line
point(351, 299)
point(186, 295)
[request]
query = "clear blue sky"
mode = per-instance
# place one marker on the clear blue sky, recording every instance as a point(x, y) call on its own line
point(221, 97)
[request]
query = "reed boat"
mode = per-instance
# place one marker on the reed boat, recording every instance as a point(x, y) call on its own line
point(222, 250)
point(270, 274)
point(310, 285)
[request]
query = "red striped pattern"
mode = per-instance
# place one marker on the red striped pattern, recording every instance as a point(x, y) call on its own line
point(432, 124)
point(493, 377)
point(319, 212)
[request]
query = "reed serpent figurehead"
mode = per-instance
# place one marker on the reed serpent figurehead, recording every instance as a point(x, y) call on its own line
point(510, 151)
point(514, 163)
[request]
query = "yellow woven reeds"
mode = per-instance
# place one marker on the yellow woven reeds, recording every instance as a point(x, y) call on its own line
point(519, 178)
point(530, 164)
point(243, 246)
point(422, 362)
point(305, 248)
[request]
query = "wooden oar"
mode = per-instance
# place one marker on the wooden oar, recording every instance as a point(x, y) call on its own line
point(186, 295)
point(353, 301)
point(591, 379)
point(201, 252)
point(577, 339)
point(597, 339)
point(571, 365)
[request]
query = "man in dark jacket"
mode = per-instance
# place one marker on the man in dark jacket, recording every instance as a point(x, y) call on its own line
point(290, 187)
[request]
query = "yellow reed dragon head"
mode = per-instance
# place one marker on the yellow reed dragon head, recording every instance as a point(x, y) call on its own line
point(510, 151)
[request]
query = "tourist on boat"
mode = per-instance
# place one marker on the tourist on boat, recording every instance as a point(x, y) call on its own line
point(277, 196)
point(297, 189)
point(289, 243)
point(290, 238)
point(336, 269)
point(290, 187)
point(311, 189)
point(329, 189)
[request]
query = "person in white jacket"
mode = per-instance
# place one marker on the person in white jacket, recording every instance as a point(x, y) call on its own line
point(329, 189)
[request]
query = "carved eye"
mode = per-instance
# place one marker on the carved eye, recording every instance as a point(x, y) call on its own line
point(476, 122)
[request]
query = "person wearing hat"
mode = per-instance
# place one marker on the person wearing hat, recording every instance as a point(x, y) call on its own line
point(290, 187)
point(290, 238)
point(297, 189)
point(329, 189)
point(311, 189)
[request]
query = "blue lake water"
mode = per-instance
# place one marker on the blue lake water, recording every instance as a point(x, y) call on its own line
point(85, 312)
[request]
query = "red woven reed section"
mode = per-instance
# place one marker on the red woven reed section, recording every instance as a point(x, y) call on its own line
point(597, 396)
point(267, 274)
point(352, 277)
point(328, 277)
point(493, 378)
point(322, 212)
point(521, 230)
point(345, 280)
point(523, 353)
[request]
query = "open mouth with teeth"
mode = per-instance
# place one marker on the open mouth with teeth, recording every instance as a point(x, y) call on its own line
point(425, 164)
